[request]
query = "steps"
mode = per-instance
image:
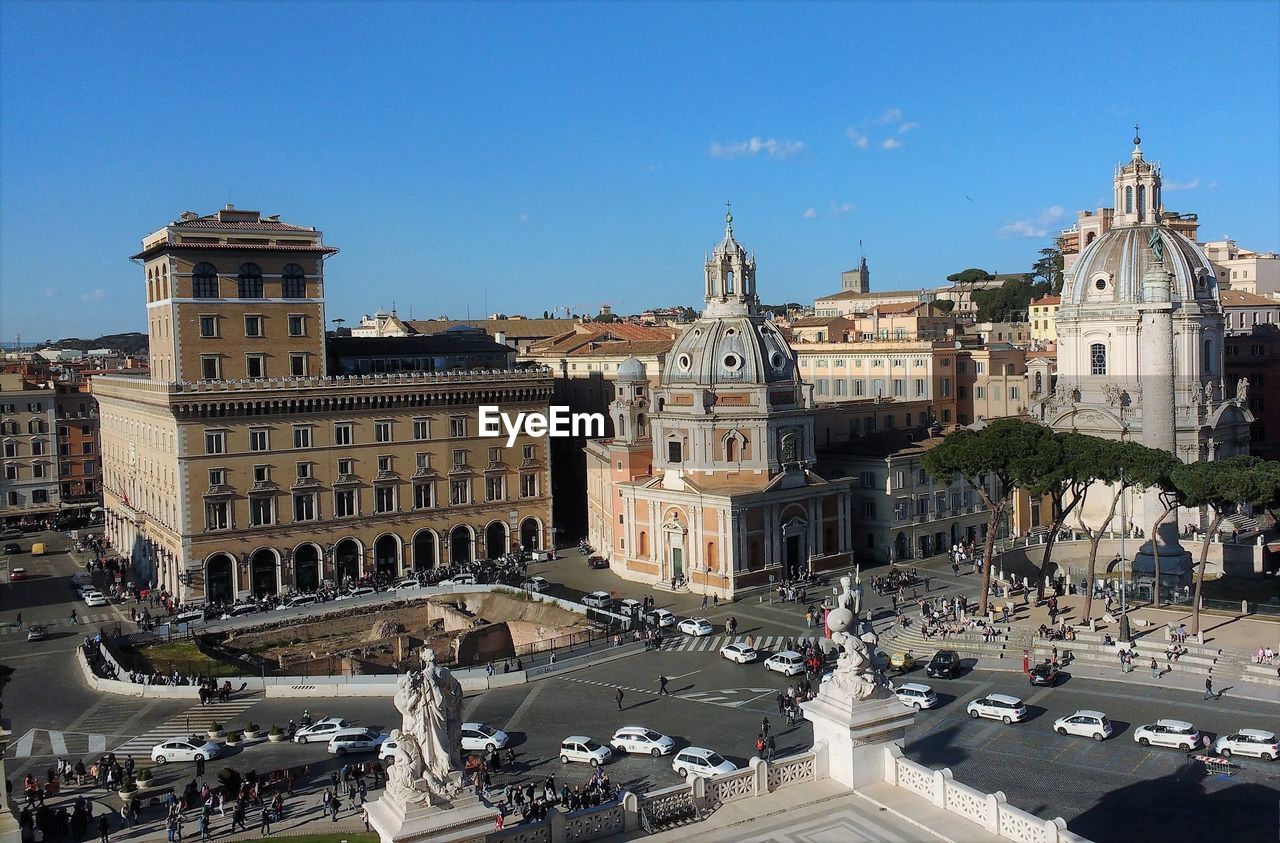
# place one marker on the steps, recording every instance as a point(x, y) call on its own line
point(1200, 660)
point(967, 644)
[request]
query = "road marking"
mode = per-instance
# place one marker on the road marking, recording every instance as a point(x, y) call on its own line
point(683, 675)
point(58, 743)
point(97, 743)
point(23, 749)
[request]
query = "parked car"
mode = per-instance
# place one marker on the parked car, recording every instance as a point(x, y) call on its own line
point(184, 750)
point(1175, 733)
point(585, 750)
point(538, 584)
point(998, 707)
point(788, 663)
point(321, 730)
point(660, 618)
point(16, 574)
point(695, 626)
point(362, 591)
point(945, 664)
point(406, 584)
point(1256, 742)
point(11, 533)
point(37, 633)
point(917, 696)
point(630, 607)
point(1086, 723)
point(482, 737)
point(902, 662)
point(598, 600)
point(463, 579)
point(1045, 673)
point(703, 763)
point(300, 600)
point(740, 653)
point(189, 616)
point(355, 740)
point(637, 740)
point(241, 610)
point(93, 598)
point(11, 548)
point(597, 562)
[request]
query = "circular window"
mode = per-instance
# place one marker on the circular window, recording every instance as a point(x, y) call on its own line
point(684, 362)
point(732, 361)
point(697, 332)
point(1100, 284)
point(731, 332)
point(777, 360)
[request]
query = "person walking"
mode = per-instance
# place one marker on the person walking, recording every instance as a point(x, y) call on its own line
point(18, 622)
point(264, 829)
point(617, 697)
point(764, 726)
point(769, 748)
point(104, 828)
point(704, 602)
point(1208, 688)
point(662, 687)
point(73, 620)
point(199, 766)
point(1155, 668)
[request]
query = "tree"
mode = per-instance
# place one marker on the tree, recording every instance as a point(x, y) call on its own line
point(993, 461)
point(970, 276)
point(546, 315)
point(1008, 301)
point(944, 305)
point(1049, 269)
point(1221, 485)
point(1062, 470)
point(1169, 500)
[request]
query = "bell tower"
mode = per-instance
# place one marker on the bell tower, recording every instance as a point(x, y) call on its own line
point(1137, 189)
point(630, 407)
point(730, 276)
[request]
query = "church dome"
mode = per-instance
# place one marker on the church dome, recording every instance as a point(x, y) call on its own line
point(729, 350)
point(1111, 268)
point(631, 369)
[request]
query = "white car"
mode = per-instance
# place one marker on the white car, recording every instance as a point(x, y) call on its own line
point(407, 584)
point(583, 749)
point(538, 584)
point(184, 750)
point(95, 598)
point(1175, 733)
point(660, 618)
point(788, 663)
point(387, 750)
point(703, 763)
point(740, 653)
point(478, 736)
point(1086, 723)
point(1257, 742)
point(998, 707)
point(629, 607)
point(321, 730)
point(638, 740)
point(362, 591)
point(300, 600)
point(915, 695)
point(598, 600)
point(355, 740)
point(695, 626)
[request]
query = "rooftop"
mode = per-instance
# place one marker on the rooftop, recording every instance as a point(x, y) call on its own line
point(1238, 298)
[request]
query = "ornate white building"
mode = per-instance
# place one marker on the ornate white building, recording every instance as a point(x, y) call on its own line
point(711, 478)
point(1140, 333)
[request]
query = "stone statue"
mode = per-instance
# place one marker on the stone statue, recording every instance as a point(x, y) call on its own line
point(1242, 390)
point(1112, 394)
point(427, 760)
point(1156, 244)
point(854, 677)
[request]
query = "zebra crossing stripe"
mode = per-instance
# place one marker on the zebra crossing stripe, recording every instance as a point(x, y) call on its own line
point(58, 743)
point(194, 720)
point(97, 743)
point(25, 743)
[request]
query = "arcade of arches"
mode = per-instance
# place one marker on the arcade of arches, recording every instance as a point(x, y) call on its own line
point(309, 565)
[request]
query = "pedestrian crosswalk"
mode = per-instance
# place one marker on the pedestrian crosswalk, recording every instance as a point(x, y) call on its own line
point(713, 643)
point(195, 720)
point(47, 743)
point(88, 623)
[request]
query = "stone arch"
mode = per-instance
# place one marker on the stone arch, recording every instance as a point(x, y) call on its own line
point(531, 534)
point(308, 572)
point(264, 572)
point(386, 555)
point(794, 535)
point(220, 578)
point(348, 561)
point(426, 550)
point(496, 540)
point(902, 547)
point(461, 544)
point(642, 545)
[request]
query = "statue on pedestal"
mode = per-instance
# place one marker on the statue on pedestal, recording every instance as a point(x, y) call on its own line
point(427, 757)
point(854, 677)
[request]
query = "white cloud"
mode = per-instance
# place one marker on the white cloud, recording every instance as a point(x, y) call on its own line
point(839, 209)
point(810, 214)
point(906, 127)
point(892, 115)
point(859, 140)
point(96, 294)
point(1032, 228)
point(890, 143)
point(1182, 185)
point(772, 147)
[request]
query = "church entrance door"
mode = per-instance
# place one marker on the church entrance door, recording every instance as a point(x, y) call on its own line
point(792, 553)
point(677, 562)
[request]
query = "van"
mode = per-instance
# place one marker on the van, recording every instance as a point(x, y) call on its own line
point(300, 600)
point(37, 549)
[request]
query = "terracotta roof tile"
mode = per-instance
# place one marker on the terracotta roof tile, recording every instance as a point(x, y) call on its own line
point(1239, 298)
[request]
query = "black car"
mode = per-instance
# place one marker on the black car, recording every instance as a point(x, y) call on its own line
point(1045, 673)
point(945, 664)
point(12, 547)
point(597, 562)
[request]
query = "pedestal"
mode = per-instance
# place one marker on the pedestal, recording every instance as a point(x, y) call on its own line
point(465, 819)
point(856, 733)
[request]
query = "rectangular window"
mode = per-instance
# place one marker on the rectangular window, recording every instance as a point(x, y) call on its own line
point(384, 463)
point(37, 470)
point(298, 365)
point(528, 485)
point(459, 492)
point(859, 388)
point(259, 439)
point(919, 388)
point(946, 387)
point(459, 458)
point(86, 448)
point(343, 434)
point(215, 442)
point(215, 516)
point(346, 467)
point(10, 471)
point(253, 326)
point(675, 452)
point(979, 392)
point(384, 499)
point(304, 506)
point(260, 514)
point(37, 447)
point(946, 416)
point(424, 495)
point(868, 509)
point(302, 437)
point(421, 429)
point(980, 367)
point(495, 455)
point(899, 478)
point(1014, 393)
point(297, 325)
point(922, 506)
point(529, 452)
point(423, 460)
point(457, 427)
point(89, 466)
point(208, 326)
point(382, 431)
point(217, 476)
point(261, 473)
point(303, 470)
point(493, 489)
point(344, 503)
point(210, 367)
point(842, 388)
point(255, 366)
point(868, 479)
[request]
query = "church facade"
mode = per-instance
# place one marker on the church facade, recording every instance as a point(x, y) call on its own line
point(711, 478)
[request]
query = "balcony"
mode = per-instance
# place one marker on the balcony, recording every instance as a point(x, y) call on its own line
point(347, 480)
point(263, 487)
point(425, 471)
point(305, 483)
point(386, 476)
point(219, 490)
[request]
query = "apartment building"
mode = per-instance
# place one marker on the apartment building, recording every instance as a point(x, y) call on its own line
point(79, 451)
point(28, 439)
point(892, 370)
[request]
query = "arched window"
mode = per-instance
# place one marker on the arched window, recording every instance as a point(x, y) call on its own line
point(622, 425)
point(250, 281)
point(1128, 200)
point(1090, 238)
point(644, 544)
point(731, 449)
point(1098, 359)
point(1209, 363)
point(640, 426)
point(204, 281)
point(294, 282)
point(1039, 382)
point(1142, 202)
point(728, 283)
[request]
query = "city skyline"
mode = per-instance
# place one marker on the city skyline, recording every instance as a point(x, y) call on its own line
point(495, 158)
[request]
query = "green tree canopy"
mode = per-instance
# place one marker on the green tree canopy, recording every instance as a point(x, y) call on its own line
point(970, 276)
point(1009, 301)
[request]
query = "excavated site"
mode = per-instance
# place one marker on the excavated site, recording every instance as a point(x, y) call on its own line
point(464, 630)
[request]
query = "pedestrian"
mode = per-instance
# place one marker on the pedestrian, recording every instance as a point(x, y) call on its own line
point(662, 687)
point(265, 828)
point(104, 828)
point(769, 748)
point(204, 827)
point(618, 698)
point(18, 623)
point(1208, 688)
point(199, 766)
point(704, 602)
point(364, 816)
point(73, 620)
point(1155, 668)
point(764, 726)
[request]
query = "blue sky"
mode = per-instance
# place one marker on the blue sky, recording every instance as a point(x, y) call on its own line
point(520, 157)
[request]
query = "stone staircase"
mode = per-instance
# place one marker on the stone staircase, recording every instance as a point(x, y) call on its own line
point(968, 644)
point(1227, 666)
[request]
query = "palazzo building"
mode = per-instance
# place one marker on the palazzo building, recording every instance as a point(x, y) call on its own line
point(238, 468)
point(711, 476)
